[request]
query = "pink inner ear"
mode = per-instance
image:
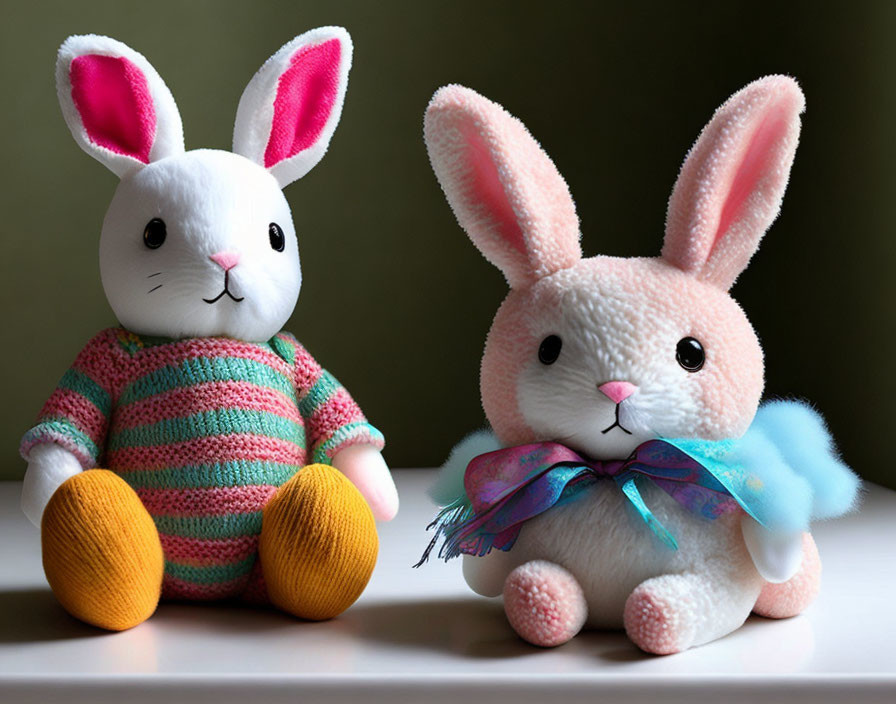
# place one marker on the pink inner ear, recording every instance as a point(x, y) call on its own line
point(112, 96)
point(753, 166)
point(488, 191)
point(306, 94)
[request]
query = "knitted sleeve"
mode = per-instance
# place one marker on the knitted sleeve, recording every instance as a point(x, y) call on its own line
point(76, 416)
point(333, 421)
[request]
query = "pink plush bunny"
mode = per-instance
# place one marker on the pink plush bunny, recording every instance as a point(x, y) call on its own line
point(605, 354)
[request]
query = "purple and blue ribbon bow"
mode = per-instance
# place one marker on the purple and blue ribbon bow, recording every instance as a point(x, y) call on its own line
point(507, 487)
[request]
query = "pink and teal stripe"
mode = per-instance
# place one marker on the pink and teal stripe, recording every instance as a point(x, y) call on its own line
point(204, 430)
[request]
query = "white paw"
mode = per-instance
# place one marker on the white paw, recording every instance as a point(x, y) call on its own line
point(367, 470)
point(49, 466)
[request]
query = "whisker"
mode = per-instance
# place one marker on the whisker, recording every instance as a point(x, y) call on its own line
point(156, 288)
point(156, 274)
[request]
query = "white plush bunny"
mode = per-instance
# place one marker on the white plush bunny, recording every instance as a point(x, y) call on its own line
point(603, 354)
point(199, 248)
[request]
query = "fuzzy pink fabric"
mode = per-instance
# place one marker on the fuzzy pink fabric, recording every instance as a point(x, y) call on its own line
point(113, 99)
point(544, 603)
point(731, 185)
point(656, 621)
point(516, 208)
point(638, 294)
point(504, 190)
point(621, 320)
point(306, 95)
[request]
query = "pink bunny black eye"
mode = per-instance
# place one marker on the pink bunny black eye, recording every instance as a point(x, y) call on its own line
point(549, 350)
point(275, 234)
point(155, 233)
point(689, 353)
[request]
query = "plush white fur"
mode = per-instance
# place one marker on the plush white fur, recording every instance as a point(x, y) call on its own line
point(211, 201)
point(49, 465)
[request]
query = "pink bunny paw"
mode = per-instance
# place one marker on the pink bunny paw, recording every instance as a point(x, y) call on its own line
point(793, 596)
point(544, 603)
point(658, 619)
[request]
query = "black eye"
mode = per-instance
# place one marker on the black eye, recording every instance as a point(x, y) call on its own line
point(155, 233)
point(275, 234)
point(690, 355)
point(549, 349)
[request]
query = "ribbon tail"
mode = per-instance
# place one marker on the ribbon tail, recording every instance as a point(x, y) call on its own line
point(444, 524)
point(630, 489)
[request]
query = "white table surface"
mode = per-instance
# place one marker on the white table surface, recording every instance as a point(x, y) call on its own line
point(422, 636)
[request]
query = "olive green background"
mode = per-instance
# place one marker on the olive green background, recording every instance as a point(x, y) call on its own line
point(396, 301)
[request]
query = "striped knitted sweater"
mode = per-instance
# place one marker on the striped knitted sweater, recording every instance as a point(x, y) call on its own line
point(204, 430)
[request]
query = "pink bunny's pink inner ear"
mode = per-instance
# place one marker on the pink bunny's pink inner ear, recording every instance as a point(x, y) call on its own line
point(487, 190)
point(503, 188)
point(757, 162)
point(306, 95)
point(112, 97)
point(731, 185)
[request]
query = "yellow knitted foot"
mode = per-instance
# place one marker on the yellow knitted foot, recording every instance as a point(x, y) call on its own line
point(101, 551)
point(318, 544)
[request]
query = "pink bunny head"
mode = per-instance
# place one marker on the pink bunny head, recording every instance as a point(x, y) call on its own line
point(603, 353)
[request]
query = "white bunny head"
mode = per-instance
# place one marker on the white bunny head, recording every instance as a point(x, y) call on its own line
point(202, 243)
point(604, 353)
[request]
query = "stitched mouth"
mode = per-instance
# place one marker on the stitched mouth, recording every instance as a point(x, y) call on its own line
point(225, 292)
point(616, 424)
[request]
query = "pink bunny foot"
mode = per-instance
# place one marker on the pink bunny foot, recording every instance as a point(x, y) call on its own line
point(674, 612)
point(660, 617)
point(544, 603)
point(793, 596)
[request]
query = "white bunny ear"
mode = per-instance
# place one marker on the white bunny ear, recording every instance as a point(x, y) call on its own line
point(504, 190)
point(731, 185)
point(117, 107)
point(291, 107)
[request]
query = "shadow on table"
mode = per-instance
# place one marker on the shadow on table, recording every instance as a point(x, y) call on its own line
point(467, 627)
point(33, 615)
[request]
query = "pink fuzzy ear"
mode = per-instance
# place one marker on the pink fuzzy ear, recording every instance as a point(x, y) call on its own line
point(113, 99)
point(291, 107)
point(504, 190)
point(731, 185)
point(116, 105)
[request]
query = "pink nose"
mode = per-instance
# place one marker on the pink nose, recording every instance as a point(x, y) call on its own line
point(225, 260)
point(617, 391)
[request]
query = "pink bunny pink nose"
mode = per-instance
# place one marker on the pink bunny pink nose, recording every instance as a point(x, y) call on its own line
point(225, 260)
point(617, 391)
